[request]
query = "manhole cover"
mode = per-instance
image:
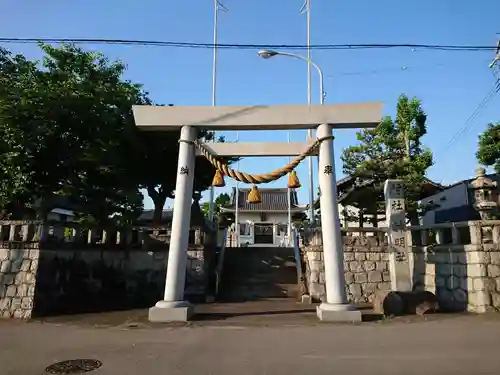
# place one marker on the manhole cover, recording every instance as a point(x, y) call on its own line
point(74, 366)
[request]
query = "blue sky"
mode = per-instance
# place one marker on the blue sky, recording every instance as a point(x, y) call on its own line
point(450, 84)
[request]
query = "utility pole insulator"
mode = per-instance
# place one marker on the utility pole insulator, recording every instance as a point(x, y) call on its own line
point(497, 56)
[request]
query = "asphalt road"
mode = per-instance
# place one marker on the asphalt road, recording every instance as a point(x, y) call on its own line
point(449, 345)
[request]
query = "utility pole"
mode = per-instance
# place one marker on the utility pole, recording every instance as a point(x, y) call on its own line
point(497, 57)
point(217, 6)
point(306, 8)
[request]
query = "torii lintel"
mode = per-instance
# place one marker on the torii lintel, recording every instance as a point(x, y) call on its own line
point(259, 117)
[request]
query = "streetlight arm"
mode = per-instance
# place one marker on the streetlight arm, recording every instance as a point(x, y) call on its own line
point(266, 54)
point(316, 66)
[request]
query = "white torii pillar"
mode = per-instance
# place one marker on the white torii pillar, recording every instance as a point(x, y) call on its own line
point(336, 306)
point(173, 307)
point(357, 115)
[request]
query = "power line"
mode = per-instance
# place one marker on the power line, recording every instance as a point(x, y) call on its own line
point(155, 43)
point(402, 68)
point(472, 118)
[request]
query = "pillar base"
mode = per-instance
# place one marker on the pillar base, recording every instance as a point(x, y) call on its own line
point(164, 312)
point(338, 313)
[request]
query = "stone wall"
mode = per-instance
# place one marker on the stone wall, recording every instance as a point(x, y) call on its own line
point(18, 269)
point(464, 277)
point(459, 262)
point(56, 276)
point(365, 263)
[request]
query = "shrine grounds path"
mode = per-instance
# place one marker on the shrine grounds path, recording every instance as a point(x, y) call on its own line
point(278, 342)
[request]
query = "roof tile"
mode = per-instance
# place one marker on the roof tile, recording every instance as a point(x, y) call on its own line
point(273, 199)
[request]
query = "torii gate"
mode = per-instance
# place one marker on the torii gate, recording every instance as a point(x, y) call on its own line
point(287, 117)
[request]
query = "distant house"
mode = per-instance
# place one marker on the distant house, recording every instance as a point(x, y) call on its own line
point(62, 209)
point(197, 219)
point(146, 217)
point(263, 223)
point(455, 203)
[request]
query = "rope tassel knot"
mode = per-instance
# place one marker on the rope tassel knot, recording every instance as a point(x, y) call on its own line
point(254, 195)
point(218, 180)
point(293, 180)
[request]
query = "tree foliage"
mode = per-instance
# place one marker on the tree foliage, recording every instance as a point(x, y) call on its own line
point(393, 150)
point(65, 124)
point(157, 167)
point(67, 129)
point(488, 152)
point(220, 201)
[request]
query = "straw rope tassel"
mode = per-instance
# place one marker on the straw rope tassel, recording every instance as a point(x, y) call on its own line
point(293, 180)
point(254, 195)
point(218, 180)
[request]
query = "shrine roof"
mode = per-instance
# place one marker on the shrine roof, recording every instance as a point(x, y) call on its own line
point(349, 187)
point(273, 200)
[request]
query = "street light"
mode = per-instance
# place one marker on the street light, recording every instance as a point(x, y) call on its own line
point(333, 256)
point(267, 54)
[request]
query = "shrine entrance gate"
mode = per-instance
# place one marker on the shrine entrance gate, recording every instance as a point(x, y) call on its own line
point(247, 118)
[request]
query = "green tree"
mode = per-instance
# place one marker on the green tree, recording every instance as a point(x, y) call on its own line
point(66, 128)
point(488, 153)
point(15, 176)
point(393, 150)
point(157, 155)
point(220, 201)
point(65, 124)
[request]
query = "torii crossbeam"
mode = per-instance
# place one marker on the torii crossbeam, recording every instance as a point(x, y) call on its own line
point(189, 120)
point(259, 117)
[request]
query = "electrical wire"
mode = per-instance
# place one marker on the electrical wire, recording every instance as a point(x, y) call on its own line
point(388, 70)
point(442, 47)
point(472, 118)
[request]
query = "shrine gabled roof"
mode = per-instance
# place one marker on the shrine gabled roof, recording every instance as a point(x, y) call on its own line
point(273, 200)
point(348, 185)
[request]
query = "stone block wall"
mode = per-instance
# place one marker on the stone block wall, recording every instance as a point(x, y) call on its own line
point(60, 277)
point(458, 262)
point(365, 263)
point(200, 266)
point(92, 280)
point(18, 268)
point(464, 278)
point(41, 282)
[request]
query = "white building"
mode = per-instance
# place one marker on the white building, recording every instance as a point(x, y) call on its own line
point(264, 223)
point(455, 203)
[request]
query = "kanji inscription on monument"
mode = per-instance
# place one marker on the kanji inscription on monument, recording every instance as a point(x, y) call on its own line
point(184, 170)
point(396, 221)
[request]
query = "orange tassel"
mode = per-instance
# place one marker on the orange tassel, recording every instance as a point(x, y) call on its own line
point(218, 180)
point(254, 195)
point(293, 180)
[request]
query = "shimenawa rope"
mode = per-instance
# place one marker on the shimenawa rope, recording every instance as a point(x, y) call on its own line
point(258, 178)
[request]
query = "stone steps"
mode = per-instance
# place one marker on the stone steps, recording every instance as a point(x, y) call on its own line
point(259, 273)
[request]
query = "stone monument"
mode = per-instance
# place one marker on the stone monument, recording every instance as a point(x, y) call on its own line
point(399, 265)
